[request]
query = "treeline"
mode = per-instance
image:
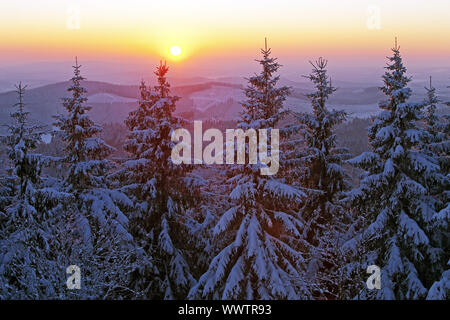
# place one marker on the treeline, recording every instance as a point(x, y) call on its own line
point(141, 227)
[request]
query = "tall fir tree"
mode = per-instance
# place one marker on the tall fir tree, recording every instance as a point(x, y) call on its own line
point(437, 145)
point(160, 190)
point(29, 261)
point(262, 231)
point(323, 178)
point(393, 197)
point(438, 142)
point(97, 239)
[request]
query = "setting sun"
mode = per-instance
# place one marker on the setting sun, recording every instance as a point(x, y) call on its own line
point(175, 51)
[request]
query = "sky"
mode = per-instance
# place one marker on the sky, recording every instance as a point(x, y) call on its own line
point(223, 37)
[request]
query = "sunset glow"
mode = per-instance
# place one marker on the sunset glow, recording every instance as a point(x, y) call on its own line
point(206, 30)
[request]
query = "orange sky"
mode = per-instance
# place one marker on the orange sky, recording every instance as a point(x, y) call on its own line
point(209, 29)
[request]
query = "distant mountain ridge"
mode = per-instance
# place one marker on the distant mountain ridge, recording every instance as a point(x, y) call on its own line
point(44, 102)
point(204, 100)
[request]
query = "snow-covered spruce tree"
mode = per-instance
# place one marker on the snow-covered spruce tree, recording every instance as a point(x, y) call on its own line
point(28, 249)
point(7, 181)
point(324, 180)
point(96, 236)
point(261, 258)
point(160, 190)
point(203, 218)
point(437, 145)
point(393, 196)
point(438, 128)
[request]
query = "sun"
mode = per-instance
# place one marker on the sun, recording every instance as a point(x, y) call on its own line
point(175, 51)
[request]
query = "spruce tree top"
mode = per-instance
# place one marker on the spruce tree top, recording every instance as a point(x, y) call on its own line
point(21, 140)
point(432, 100)
point(264, 103)
point(85, 152)
point(395, 131)
point(319, 126)
point(150, 128)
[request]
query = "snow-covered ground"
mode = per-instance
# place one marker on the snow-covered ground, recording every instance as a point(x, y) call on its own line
point(216, 94)
point(108, 98)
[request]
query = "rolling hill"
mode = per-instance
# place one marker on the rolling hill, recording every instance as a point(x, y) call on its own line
point(208, 100)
